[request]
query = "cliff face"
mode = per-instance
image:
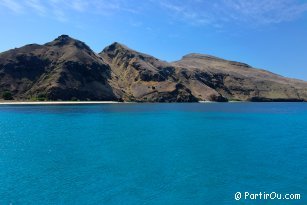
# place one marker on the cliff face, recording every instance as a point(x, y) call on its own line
point(67, 69)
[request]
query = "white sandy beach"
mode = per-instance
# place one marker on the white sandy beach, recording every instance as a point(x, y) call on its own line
point(56, 102)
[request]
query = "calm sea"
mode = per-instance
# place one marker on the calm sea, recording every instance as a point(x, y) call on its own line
point(153, 154)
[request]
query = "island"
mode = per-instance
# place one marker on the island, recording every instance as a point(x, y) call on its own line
point(66, 69)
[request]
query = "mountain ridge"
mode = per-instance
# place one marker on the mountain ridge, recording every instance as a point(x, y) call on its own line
point(68, 69)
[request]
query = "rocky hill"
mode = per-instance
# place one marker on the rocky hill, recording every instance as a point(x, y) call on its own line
point(63, 69)
point(67, 69)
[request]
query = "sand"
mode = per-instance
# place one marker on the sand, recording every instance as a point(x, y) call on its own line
point(56, 102)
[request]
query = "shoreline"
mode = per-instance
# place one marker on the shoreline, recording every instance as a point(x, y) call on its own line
point(109, 102)
point(58, 102)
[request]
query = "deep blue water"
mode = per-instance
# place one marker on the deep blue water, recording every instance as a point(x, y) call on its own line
point(154, 154)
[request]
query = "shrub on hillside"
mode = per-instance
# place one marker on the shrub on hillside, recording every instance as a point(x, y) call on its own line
point(7, 95)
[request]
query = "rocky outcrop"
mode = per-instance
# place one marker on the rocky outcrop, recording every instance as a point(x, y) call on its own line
point(67, 69)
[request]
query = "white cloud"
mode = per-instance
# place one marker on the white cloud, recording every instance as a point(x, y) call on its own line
point(12, 5)
point(37, 6)
point(219, 12)
point(60, 9)
point(187, 12)
point(266, 11)
point(216, 13)
point(79, 5)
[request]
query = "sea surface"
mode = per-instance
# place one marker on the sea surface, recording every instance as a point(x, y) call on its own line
point(153, 154)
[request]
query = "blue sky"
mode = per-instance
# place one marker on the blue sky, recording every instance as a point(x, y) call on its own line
point(268, 34)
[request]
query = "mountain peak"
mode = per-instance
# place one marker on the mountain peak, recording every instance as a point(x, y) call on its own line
point(196, 56)
point(200, 56)
point(63, 40)
point(66, 40)
point(64, 36)
point(116, 46)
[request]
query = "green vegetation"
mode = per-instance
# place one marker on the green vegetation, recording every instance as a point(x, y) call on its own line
point(7, 95)
point(234, 100)
point(74, 99)
point(39, 97)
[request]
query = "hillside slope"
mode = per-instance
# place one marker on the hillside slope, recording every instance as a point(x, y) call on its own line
point(63, 69)
point(239, 81)
point(67, 69)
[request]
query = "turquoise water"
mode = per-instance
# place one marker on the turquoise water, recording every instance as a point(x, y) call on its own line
point(154, 154)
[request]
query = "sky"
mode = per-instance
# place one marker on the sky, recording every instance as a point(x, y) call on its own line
point(267, 34)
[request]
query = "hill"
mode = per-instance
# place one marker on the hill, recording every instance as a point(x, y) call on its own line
point(67, 69)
